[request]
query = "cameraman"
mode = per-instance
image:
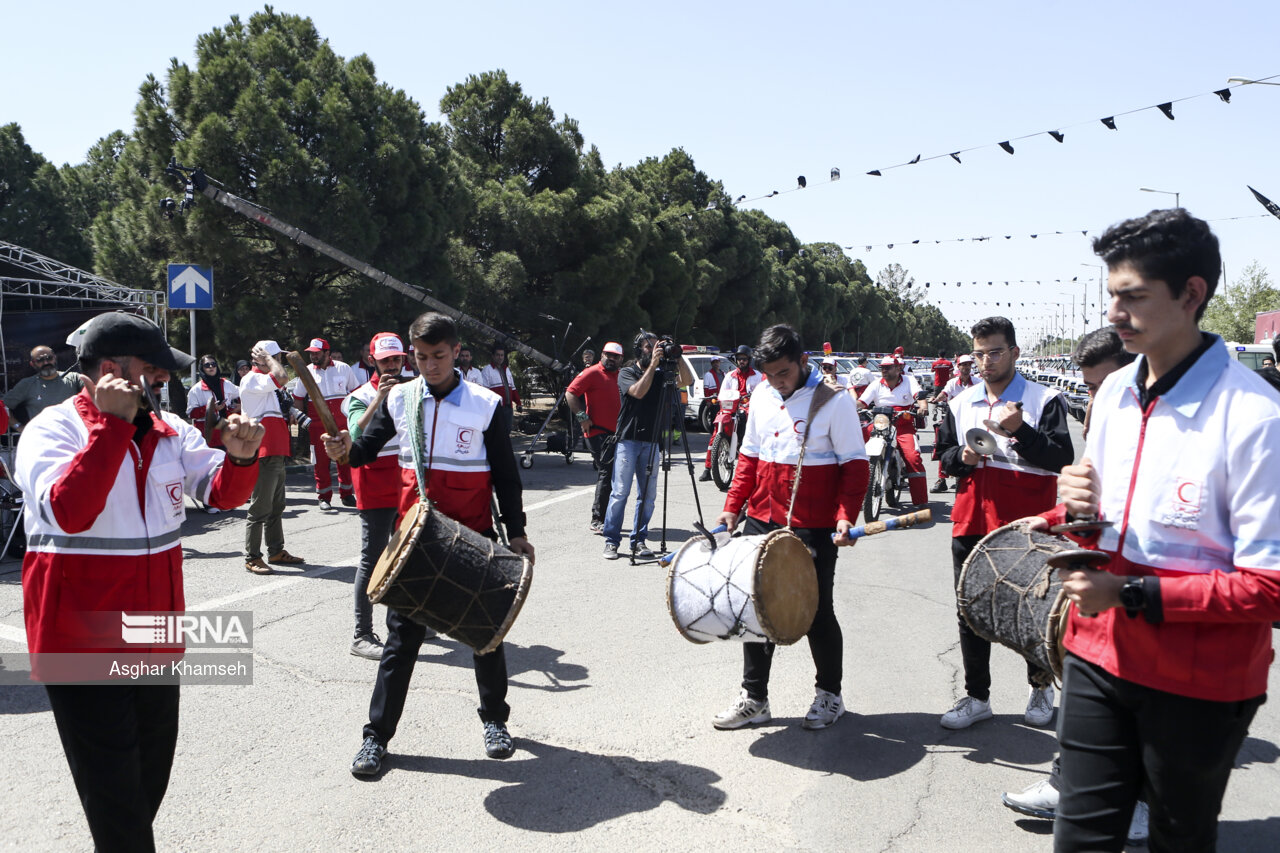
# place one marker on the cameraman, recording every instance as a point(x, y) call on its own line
point(642, 384)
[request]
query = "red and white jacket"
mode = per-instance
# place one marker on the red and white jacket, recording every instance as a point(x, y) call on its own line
point(731, 387)
point(1021, 477)
point(259, 399)
point(835, 460)
point(103, 518)
point(335, 382)
point(377, 484)
point(1193, 486)
point(199, 398)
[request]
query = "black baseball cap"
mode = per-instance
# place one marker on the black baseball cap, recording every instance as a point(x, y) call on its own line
point(120, 333)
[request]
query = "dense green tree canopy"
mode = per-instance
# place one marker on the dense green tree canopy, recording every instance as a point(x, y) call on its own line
point(502, 211)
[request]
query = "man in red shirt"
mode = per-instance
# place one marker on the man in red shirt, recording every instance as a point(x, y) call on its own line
point(941, 371)
point(595, 401)
point(735, 388)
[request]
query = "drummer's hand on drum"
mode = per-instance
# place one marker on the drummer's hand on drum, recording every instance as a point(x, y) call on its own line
point(1034, 522)
point(728, 519)
point(1079, 488)
point(522, 546)
point(1093, 590)
point(339, 447)
point(842, 533)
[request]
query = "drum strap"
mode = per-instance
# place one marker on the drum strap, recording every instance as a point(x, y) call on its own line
point(413, 408)
point(822, 394)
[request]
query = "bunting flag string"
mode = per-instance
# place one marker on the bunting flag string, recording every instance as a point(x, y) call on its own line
point(1084, 232)
point(1058, 134)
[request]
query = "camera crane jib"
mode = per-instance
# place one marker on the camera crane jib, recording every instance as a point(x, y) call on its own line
point(197, 180)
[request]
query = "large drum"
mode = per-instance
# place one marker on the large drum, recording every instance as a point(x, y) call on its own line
point(749, 588)
point(1009, 595)
point(446, 576)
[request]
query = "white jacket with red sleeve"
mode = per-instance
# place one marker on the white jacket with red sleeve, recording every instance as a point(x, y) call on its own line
point(103, 518)
point(835, 473)
point(1191, 484)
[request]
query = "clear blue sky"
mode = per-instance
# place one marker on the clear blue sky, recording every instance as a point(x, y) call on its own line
point(759, 93)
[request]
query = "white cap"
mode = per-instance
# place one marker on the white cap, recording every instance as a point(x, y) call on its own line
point(831, 359)
point(271, 347)
point(965, 359)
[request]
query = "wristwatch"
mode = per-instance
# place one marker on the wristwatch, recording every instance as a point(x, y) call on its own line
point(581, 416)
point(1133, 596)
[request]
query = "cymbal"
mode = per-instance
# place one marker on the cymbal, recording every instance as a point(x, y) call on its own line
point(981, 442)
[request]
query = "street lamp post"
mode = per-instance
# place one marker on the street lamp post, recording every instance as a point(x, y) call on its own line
point(1177, 197)
point(1102, 307)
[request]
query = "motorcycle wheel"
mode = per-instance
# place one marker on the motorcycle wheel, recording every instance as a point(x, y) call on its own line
point(721, 462)
point(707, 417)
point(875, 492)
point(893, 481)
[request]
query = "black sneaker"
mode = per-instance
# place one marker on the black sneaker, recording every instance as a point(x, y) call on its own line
point(705, 476)
point(348, 500)
point(939, 487)
point(368, 761)
point(497, 740)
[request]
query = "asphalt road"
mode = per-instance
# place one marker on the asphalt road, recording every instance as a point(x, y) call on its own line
point(611, 713)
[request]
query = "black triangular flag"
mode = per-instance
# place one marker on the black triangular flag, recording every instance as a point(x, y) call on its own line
point(955, 155)
point(1007, 147)
point(1110, 121)
point(1167, 109)
point(916, 160)
point(1225, 94)
point(1056, 134)
point(875, 172)
point(1265, 202)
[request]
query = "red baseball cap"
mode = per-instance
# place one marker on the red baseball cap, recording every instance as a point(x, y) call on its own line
point(385, 345)
point(318, 345)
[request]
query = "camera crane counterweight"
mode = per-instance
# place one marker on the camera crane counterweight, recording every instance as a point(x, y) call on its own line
point(197, 180)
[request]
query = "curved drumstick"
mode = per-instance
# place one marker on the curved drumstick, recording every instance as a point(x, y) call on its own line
point(665, 559)
point(317, 399)
point(898, 523)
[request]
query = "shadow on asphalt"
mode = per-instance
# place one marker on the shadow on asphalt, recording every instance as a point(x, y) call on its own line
point(555, 789)
point(541, 660)
point(23, 699)
point(1249, 835)
point(877, 746)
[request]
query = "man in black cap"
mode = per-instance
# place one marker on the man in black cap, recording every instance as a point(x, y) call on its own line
point(242, 369)
point(104, 475)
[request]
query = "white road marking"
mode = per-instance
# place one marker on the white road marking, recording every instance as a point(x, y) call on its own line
point(577, 493)
point(274, 586)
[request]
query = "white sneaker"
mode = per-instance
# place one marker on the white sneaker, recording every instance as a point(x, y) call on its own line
point(1138, 824)
point(965, 713)
point(1039, 800)
point(1039, 706)
point(826, 709)
point(744, 711)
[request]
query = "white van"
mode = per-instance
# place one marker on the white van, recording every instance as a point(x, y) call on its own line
point(1250, 355)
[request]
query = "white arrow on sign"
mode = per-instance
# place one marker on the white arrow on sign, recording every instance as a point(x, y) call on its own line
point(190, 279)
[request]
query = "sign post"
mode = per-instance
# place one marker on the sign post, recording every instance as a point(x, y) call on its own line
point(191, 287)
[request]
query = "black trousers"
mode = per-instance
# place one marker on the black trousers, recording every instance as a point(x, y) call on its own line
point(826, 642)
point(602, 453)
point(1120, 740)
point(975, 651)
point(400, 654)
point(119, 741)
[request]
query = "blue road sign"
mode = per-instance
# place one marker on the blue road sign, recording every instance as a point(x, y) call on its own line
point(190, 286)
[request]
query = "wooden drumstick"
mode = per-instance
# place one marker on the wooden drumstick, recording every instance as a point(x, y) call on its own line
point(901, 522)
point(317, 399)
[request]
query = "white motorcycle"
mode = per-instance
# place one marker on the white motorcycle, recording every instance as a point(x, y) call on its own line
point(888, 468)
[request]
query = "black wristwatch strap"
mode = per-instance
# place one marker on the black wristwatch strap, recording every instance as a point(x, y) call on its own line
point(1154, 609)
